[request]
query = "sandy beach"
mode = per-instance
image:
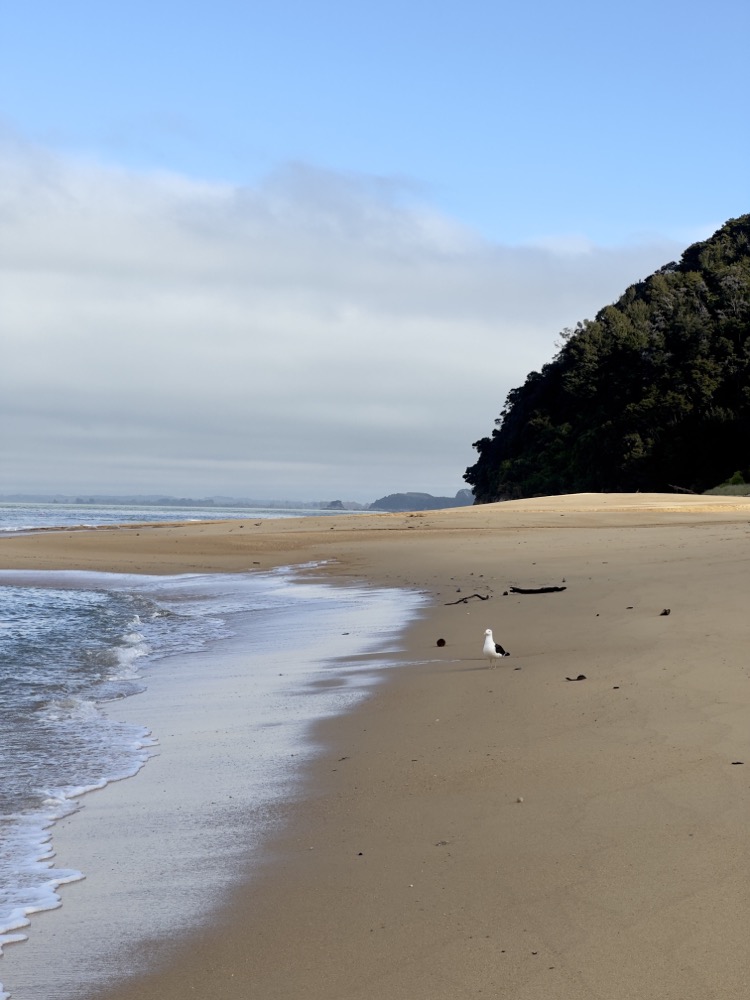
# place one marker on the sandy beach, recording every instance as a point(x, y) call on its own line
point(509, 832)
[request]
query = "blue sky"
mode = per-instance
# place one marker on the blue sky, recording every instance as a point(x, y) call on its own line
point(427, 174)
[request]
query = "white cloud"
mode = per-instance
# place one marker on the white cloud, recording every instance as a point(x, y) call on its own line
point(319, 336)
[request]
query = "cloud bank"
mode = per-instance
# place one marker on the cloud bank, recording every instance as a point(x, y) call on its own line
point(318, 336)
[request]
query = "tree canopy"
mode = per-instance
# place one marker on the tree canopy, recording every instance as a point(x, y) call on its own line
point(654, 393)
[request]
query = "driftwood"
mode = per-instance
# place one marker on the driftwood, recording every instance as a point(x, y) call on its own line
point(682, 489)
point(465, 600)
point(536, 590)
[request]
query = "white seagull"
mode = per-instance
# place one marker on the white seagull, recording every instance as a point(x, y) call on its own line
point(493, 650)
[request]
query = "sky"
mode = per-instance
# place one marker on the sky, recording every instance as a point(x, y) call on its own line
point(304, 250)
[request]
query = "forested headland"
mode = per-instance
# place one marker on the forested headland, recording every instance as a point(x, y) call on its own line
point(652, 395)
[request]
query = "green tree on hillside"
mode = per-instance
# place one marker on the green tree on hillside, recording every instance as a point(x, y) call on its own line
point(654, 392)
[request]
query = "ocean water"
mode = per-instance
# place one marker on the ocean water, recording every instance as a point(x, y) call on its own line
point(25, 517)
point(75, 646)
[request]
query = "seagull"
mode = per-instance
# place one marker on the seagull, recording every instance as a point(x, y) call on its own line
point(492, 650)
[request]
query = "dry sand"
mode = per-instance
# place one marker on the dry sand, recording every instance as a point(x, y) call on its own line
point(502, 833)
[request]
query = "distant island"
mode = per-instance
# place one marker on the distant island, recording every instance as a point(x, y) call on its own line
point(422, 501)
point(652, 395)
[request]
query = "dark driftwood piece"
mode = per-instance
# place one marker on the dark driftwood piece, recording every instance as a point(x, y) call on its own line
point(465, 600)
point(536, 590)
point(682, 489)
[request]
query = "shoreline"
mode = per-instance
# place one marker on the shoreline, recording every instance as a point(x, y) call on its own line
point(233, 722)
point(620, 873)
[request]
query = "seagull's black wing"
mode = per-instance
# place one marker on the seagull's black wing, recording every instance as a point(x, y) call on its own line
point(499, 649)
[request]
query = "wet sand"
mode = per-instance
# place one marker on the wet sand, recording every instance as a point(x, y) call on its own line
point(506, 832)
